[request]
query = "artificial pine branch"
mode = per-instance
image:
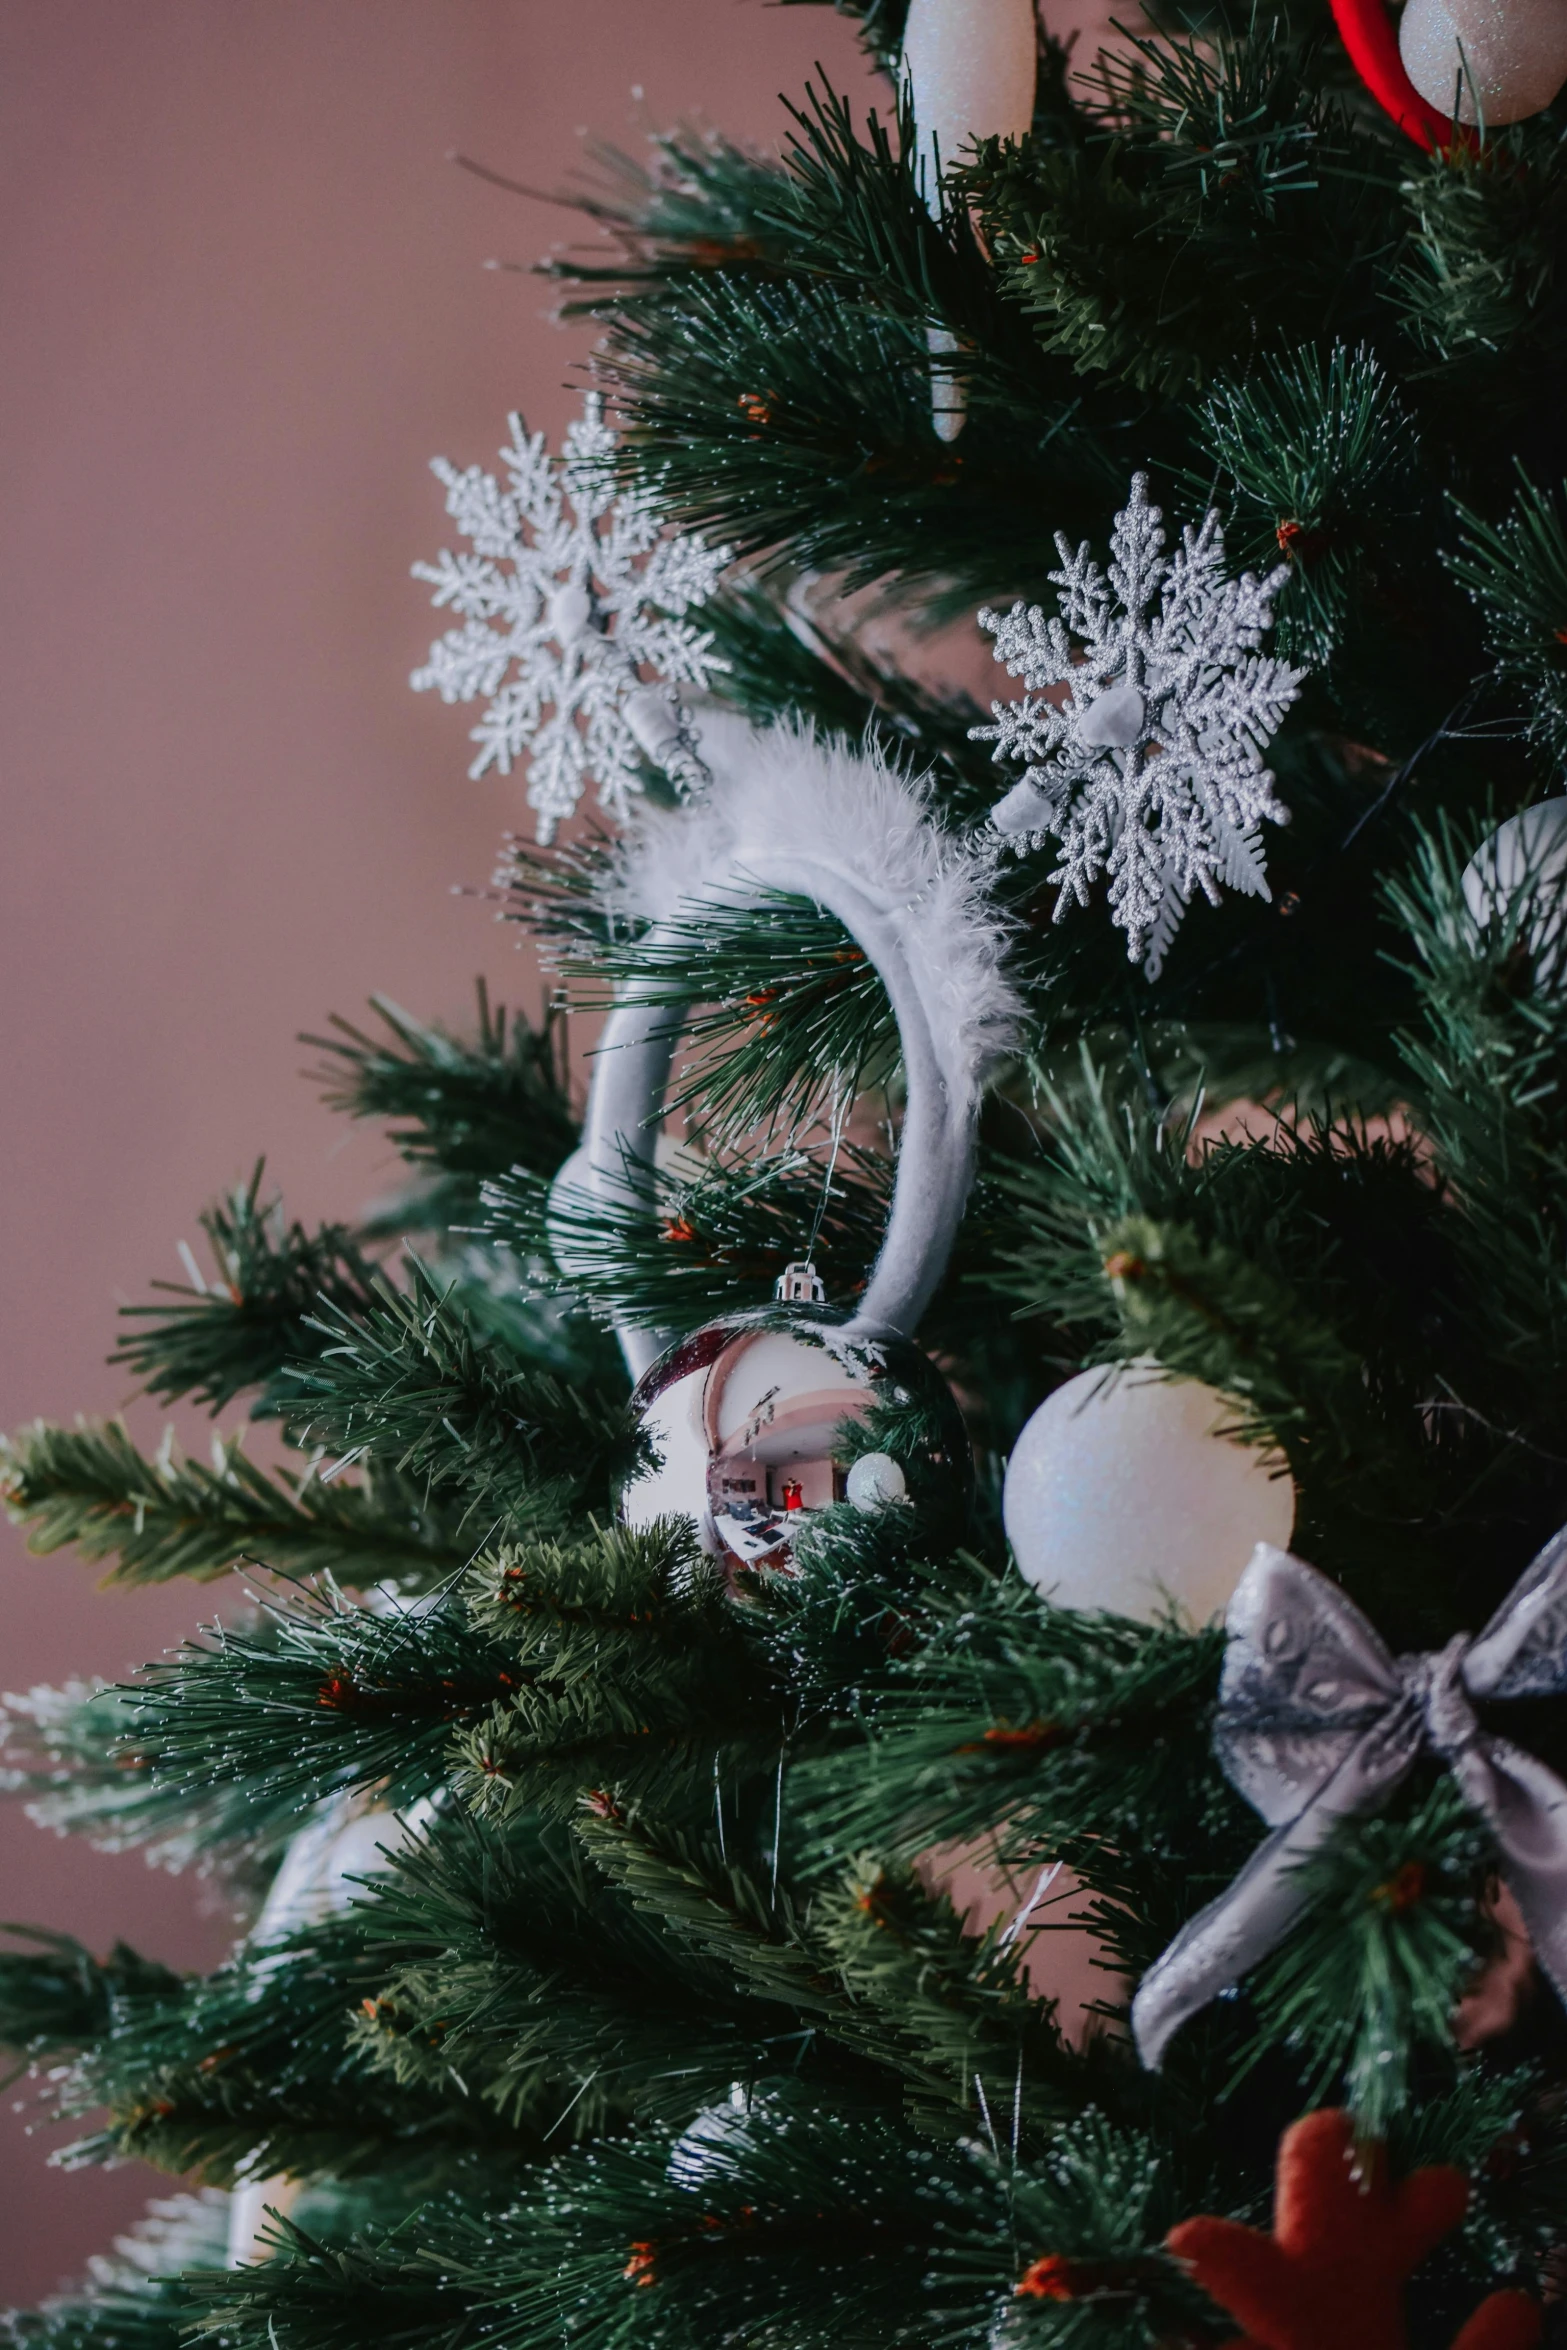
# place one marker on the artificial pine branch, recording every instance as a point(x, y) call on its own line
point(1478, 283)
point(837, 208)
point(56, 1997)
point(861, 1593)
point(410, 1383)
point(256, 2069)
point(331, 2296)
point(783, 658)
point(719, 327)
point(613, 1658)
point(244, 1329)
point(134, 2313)
point(629, 1669)
point(817, 2224)
point(71, 1750)
point(509, 1303)
point(88, 1488)
point(791, 1015)
point(135, 2299)
point(1516, 571)
point(728, 1909)
point(466, 1108)
point(1488, 1063)
point(317, 1698)
point(727, 1230)
point(525, 1975)
point(1395, 1933)
point(878, 1967)
point(961, 2002)
point(1058, 1746)
point(501, 2015)
point(1501, 2125)
point(1319, 460)
point(556, 893)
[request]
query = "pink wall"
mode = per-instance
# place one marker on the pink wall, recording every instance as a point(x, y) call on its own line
point(244, 302)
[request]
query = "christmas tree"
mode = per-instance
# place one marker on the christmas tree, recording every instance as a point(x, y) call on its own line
point(882, 1713)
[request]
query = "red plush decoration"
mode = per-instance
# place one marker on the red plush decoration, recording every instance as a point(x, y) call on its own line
point(1331, 2275)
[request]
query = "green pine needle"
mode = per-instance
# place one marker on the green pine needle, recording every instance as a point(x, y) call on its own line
point(89, 1489)
point(462, 1109)
point(247, 1327)
point(410, 1383)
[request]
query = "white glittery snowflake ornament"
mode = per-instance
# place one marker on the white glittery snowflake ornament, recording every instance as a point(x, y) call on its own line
point(571, 597)
point(1148, 767)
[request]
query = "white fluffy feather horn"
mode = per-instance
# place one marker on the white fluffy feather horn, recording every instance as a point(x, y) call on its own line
point(793, 812)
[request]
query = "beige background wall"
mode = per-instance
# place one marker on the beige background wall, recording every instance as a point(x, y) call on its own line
point(244, 301)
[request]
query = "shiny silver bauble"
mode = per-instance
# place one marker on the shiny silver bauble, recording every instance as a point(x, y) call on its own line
point(754, 1425)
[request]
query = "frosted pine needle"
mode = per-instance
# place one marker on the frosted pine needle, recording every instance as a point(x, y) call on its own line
point(573, 604)
point(1149, 768)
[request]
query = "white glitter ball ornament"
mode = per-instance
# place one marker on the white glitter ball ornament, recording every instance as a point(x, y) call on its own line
point(1528, 852)
point(1122, 1494)
point(874, 1481)
point(1505, 59)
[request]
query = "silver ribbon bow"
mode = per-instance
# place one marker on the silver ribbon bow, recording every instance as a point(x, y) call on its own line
point(1318, 1722)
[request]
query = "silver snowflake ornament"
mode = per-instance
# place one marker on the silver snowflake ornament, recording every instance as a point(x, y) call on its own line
point(573, 603)
point(1147, 712)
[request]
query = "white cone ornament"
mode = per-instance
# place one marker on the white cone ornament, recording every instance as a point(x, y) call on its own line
point(1528, 852)
point(968, 68)
point(1122, 1493)
point(1501, 59)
